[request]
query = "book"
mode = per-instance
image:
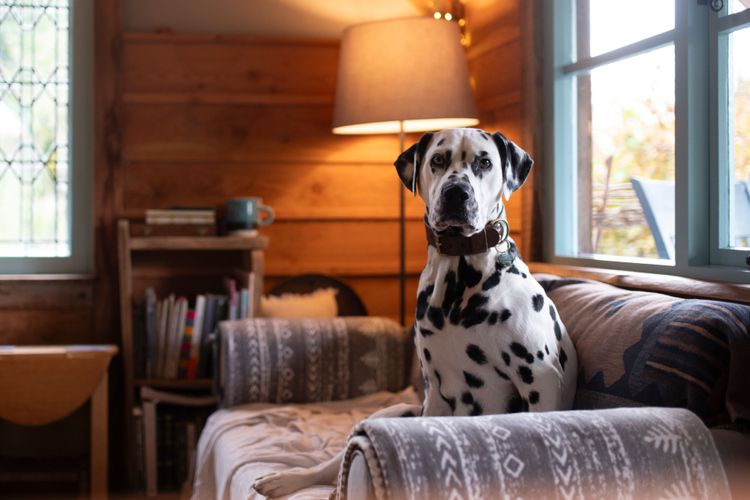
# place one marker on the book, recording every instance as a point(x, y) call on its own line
point(244, 303)
point(179, 317)
point(165, 327)
point(151, 321)
point(233, 298)
point(180, 216)
point(142, 229)
point(195, 344)
point(186, 344)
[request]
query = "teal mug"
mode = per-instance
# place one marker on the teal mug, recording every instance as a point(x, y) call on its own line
point(247, 214)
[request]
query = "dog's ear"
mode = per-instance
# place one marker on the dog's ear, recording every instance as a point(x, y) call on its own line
point(515, 161)
point(408, 162)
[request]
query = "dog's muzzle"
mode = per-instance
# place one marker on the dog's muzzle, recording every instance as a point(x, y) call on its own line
point(457, 203)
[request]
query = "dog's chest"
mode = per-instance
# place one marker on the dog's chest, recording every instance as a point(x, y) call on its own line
point(469, 312)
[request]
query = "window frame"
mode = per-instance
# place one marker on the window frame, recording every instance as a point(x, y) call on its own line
point(80, 138)
point(696, 135)
point(721, 25)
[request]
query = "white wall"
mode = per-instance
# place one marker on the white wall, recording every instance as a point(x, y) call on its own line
point(284, 18)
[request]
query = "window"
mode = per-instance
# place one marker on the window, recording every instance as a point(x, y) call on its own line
point(45, 135)
point(650, 152)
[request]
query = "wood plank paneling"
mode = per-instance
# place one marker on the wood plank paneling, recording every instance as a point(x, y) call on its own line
point(312, 191)
point(46, 326)
point(351, 247)
point(165, 63)
point(283, 133)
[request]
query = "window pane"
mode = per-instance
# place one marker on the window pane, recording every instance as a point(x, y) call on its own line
point(34, 113)
point(739, 138)
point(736, 6)
point(615, 24)
point(626, 136)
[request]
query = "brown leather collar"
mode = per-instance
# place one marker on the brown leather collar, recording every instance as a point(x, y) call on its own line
point(455, 245)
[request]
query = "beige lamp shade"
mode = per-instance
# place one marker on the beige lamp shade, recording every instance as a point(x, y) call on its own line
point(412, 70)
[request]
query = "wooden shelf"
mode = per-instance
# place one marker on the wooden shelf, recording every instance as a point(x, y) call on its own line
point(198, 243)
point(167, 383)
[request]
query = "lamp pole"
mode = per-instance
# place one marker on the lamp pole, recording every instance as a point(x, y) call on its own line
point(402, 231)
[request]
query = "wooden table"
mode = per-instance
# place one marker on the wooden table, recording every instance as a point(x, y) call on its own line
point(42, 384)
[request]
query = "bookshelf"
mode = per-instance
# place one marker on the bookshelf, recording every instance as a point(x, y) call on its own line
point(181, 265)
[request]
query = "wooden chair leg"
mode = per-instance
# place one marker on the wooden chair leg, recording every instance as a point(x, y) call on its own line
point(99, 439)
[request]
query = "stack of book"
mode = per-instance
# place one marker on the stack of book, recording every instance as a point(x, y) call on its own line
point(177, 222)
point(172, 341)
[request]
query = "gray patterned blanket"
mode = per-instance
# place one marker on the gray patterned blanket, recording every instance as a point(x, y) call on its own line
point(624, 453)
point(271, 360)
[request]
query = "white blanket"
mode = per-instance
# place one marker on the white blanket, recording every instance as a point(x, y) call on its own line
point(243, 443)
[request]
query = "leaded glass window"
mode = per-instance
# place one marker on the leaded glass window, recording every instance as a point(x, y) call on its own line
point(35, 205)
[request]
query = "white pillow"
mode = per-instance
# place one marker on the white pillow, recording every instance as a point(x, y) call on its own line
point(318, 304)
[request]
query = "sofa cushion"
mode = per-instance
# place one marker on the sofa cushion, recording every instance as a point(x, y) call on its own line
point(644, 348)
point(270, 360)
point(240, 444)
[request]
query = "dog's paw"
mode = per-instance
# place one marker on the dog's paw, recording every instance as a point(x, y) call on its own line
point(277, 484)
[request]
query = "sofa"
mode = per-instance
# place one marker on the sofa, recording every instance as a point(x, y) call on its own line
point(662, 408)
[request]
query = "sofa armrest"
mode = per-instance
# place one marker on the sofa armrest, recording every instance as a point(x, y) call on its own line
point(628, 452)
point(272, 360)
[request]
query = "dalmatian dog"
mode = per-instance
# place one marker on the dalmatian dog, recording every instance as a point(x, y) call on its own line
point(488, 338)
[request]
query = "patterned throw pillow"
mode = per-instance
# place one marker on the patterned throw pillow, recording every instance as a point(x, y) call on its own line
point(644, 348)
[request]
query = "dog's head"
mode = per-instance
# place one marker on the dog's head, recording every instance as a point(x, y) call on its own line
point(462, 175)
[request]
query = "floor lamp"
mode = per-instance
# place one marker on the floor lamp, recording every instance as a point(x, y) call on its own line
point(400, 76)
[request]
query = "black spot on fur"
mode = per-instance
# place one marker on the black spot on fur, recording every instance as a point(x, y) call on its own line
point(519, 350)
point(533, 397)
point(523, 275)
point(552, 312)
point(505, 315)
point(540, 355)
point(501, 373)
point(425, 332)
point(492, 281)
point(563, 358)
point(485, 136)
point(517, 404)
point(473, 314)
point(493, 318)
point(546, 349)
point(513, 270)
point(473, 380)
point(506, 358)
point(538, 302)
point(476, 354)
point(558, 331)
point(436, 316)
point(427, 354)
point(440, 142)
point(526, 375)
point(476, 410)
point(422, 299)
point(467, 274)
point(529, 358)
point(467, 398)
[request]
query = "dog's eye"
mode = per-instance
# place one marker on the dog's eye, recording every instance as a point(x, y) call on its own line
point(437, 160)
point(485, 162)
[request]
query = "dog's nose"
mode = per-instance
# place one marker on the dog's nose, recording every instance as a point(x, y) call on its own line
point(455, 196)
